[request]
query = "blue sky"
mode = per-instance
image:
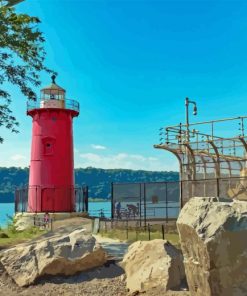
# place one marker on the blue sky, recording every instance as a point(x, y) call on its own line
point(131, 64)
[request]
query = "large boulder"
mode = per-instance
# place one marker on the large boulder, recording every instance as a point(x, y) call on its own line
point(213, 236)
point(64, 255)
point(150, 264)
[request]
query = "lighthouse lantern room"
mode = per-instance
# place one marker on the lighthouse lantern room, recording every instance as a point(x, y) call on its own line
point(51, 176)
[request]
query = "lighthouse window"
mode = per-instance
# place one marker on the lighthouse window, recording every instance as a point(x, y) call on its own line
point(48, 148)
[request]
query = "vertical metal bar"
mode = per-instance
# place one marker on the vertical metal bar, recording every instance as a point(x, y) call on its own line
point(163, 231)
point(86, 204)
point(112, 201)
point(140, 210)
point(145, 206)
point(181, 194)
point(53, 197)
point(36, 200)
point(166, 204)
point(21, 199)
point(149, 234)
point(242, 126)
point(187, 119)
point(15, 200)
point(217, 187)
point(127, 230)
point(81, 199)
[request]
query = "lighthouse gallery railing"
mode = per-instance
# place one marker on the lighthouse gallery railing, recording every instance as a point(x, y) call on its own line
point(68, 104)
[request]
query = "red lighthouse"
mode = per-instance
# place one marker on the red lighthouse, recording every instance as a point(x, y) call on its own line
point(51, 176)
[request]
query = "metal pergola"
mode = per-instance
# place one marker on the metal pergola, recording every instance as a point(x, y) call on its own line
point(212, 157)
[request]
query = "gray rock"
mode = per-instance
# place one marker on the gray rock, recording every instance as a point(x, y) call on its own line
point(64, 255)
point(214, 245)
point(150, 264)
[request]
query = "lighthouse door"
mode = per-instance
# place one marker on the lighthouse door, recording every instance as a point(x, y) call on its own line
point(47, 199)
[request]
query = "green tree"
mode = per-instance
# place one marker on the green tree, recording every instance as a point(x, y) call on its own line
point(22, 58)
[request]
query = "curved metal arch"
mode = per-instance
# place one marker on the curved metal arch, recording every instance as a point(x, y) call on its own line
point(164, 147)
point(193, 163)
point(217, 163)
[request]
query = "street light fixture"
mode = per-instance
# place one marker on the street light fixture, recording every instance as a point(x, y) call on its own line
point(187, 102)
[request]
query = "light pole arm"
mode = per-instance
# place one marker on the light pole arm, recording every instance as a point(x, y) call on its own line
point(187, 102)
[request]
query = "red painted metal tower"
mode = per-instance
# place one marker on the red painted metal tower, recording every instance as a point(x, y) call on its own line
point(51, 176)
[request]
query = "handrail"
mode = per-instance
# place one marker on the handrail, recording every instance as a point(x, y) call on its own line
point(68, 105)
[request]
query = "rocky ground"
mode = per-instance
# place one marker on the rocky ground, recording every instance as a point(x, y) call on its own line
point(100, 282)
point(104, 281)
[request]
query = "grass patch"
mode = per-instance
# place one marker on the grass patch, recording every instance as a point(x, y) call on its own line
point(134, 235)
point(11, 236)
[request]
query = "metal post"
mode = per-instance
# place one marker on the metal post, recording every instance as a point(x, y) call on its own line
point(36, 200)
point(166, 204)
point(86, 199)
point(217, 187)
point(22, 201)
point(181, 194)
point(163, 231)
point(187, 119)
point(145, 206)
point(140, 210)
point(149, 235)
point(112, 201)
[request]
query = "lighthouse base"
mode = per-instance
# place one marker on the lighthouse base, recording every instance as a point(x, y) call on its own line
point(26, 220)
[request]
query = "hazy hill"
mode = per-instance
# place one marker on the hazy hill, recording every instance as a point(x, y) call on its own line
point(98, 180)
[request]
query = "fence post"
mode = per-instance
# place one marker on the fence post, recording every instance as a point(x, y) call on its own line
point(112, 202)
point(217, 187)
point(145, 206)
point(36, 200)
point(149, 234)
point(140, 210)
point(127, 230)
point(163, 231)
point(166, 204)
point(181, 193)
point(85, 198)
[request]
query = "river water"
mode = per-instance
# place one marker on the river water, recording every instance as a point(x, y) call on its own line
point(98, 208)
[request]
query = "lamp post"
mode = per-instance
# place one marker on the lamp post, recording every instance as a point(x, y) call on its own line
point(187, 102)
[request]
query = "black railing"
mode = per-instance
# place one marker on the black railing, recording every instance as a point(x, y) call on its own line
point(132, 231)
point(30, 198)
point(67, 104)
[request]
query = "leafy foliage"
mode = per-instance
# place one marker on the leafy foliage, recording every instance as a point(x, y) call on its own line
point(21, 59)
point(98, 180)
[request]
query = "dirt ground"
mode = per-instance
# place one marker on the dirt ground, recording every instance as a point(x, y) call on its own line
point(104, 281)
